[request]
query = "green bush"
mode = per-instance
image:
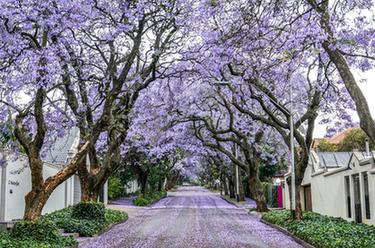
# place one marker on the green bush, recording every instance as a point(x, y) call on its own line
point(323, 231)
point(141, 201)
point(7, 241)
point(89, 211)
point(85, 227)
point(115, 188)
point(35, 234)
point(149, 198)
point(114, 216)
point(40, 230)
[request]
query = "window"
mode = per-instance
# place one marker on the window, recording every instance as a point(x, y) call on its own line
point(367, 195)
point(347, 193)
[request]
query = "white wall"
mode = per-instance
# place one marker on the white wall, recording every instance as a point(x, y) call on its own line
point(131, 187)
point(328, 191)
point(18, 184)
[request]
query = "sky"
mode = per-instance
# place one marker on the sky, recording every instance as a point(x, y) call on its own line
point(368, 89)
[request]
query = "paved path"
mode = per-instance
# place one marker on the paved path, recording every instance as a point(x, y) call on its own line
point(192, 217)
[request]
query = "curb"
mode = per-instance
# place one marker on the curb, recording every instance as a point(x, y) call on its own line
point(108, 228)
point(286, 232)
point(230, 202)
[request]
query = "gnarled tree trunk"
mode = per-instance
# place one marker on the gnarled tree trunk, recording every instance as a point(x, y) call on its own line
point(256, 189)
point(41, 189)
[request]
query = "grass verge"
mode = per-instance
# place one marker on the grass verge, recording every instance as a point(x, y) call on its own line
point(323, 231)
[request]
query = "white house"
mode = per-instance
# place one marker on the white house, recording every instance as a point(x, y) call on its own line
point(15, 180)
point(340, 184)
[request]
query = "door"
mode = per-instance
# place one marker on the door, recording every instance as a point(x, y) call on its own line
point(357, 198)
point(308, 200)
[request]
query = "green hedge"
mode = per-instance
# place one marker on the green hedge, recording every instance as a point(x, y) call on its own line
point(65, 219)
point(149, 199)
point(115, 188)
point(324, 231)
point(89, 210)
point(35, 234)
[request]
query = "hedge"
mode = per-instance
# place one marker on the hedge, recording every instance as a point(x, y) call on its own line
point(323, 231)
point(88, 211)
point(35, 234)
point(149, 199)
point(74, 220)
point(115, 188)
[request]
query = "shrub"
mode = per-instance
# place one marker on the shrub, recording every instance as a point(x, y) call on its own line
point(85, 227)
point(89, 211)
point(39, 233)
point(324, 231)
point(7, 241)
point(141, 201)
point(115, 188)
point(149, 198)
point(40, 230)
point(114, 216)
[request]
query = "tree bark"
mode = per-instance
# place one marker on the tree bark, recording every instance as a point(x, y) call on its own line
point(41, 189)
point(225, 186)
point(143, 181)
point(256, 189)
point(231, 188)
point(298, 213)
point(367, 123)
point(242, 192)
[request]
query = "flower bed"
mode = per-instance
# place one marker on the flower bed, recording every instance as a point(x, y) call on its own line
point(324, 231)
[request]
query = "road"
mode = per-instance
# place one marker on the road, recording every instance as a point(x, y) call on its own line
point(192, 217)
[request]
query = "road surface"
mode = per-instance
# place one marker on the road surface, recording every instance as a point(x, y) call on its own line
point(192, 217)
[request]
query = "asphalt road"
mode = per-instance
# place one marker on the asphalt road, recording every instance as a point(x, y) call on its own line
point(192, 217)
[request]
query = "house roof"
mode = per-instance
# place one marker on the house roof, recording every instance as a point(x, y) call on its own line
point(335, 140)
point(333, 159)
point(59, 152)
point(340, 136)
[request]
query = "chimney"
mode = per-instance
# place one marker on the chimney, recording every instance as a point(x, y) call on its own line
point(367, 148)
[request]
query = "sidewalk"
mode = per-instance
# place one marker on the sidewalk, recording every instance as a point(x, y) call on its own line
point(126, 204)
point(247, 204)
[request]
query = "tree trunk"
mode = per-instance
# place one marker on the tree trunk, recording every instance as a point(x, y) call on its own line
point(34, 203)
point(242, 192)
point(89, 194)
point(256, 189)
point(367, 123)
point(143, 181)
point(41, 189)
point(297, 214)
point(231, 188)
point(225, 186)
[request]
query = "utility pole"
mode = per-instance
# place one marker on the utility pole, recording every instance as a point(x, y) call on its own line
point(292, 166)
point(237, 175)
